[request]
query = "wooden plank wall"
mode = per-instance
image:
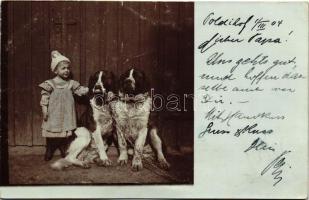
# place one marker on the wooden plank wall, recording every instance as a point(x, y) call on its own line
point(156, 37)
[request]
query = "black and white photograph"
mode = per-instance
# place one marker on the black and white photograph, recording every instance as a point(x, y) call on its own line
point(97, 93)
point(149, 99)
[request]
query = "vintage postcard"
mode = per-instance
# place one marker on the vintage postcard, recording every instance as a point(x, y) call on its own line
point(131, 99)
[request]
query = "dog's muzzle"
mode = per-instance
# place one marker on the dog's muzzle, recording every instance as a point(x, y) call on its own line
point(97, 89)
point(100, 95)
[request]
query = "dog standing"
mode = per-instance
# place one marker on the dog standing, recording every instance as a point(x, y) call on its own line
point(131, 114)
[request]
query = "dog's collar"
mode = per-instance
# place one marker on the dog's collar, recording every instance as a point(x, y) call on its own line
point(140, 98)
point(110, 97)
point(93, 105)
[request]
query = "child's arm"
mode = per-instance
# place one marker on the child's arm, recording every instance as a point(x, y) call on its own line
point(78, 89)
point(45, 112)
point(46, 90)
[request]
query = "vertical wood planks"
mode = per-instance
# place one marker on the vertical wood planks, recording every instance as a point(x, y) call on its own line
point(111, 35)
point(11, 77)
point(40, 66)
point(156, 37)
point(169, 35)
point(73, 42)
point(22, 75)
point(92, 37)
point(102, 10)
point(72, 36)
point(56, 26)
point(169, 54)
point(186, 42)
point(186, 69)
point(82, 43)
point(129, 31)
point(149, 40)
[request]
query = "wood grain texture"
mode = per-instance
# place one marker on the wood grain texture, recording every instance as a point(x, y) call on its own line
point(153, 36)
point(11, 77)
point(112, 36)
point(40, 69)
point(22, 76)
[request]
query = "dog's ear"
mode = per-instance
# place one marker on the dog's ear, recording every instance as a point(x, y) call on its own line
point(91, 83)
point(113, 82)
point(120, 81)
point(145, 85)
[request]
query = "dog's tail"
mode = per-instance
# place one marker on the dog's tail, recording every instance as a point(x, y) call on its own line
point(60, 164)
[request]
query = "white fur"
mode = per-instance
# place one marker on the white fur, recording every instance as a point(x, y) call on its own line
point(80, 143)
point(131, 75)
point(99, 82)
point(131, 124)
point(104, 125)
point(132, 78)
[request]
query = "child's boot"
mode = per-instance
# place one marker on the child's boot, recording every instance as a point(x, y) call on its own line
point(63, 146)
point(50, 149)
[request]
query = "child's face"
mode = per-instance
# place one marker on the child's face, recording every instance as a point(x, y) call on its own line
point(63, 70)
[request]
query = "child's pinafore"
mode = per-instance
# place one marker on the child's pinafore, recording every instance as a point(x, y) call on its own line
point(61, 108)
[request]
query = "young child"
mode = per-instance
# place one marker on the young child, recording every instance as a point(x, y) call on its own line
point(58, 106)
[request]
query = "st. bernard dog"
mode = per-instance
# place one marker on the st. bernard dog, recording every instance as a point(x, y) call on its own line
point(131, 114)
point(96, 133)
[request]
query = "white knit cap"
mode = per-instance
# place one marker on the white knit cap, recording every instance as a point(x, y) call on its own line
point(56, 57)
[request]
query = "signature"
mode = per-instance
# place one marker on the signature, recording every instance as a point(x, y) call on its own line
point(276, 167)
point(258, 145)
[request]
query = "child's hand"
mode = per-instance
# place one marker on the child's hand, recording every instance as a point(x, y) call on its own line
point(86, 90)
point(81, 91)
point(45, 113)
point(45, 116)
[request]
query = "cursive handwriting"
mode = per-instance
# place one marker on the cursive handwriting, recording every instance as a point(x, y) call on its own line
point(276, 166)
point(251, 130)
point(217, 88)
point(258, 144)
point(217, 38)
point(220, 21)
point(210, 99)
point(263, 40)
point(256, 77)
point(209, 130)
point(223, 117)
point(228, 77)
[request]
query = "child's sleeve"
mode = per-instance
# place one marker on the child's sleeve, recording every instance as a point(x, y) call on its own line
point(78, 89)
point(45, 93)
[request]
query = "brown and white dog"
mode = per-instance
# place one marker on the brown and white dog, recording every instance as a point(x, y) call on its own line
point(131, 114)
point(96, 133)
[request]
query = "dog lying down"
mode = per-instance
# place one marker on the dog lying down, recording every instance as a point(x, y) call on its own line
point(117, 120)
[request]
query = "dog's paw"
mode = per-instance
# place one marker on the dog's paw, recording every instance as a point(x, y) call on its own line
point(163, 163)
point(123, 159)
point(105, 162)
point(137, 164)
point(122, 162)
point(86, 165)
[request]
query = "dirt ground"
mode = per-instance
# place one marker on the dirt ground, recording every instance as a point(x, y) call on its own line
point(30, 168)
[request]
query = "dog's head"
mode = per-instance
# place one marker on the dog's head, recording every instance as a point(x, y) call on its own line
point(133, 82)
point(100, 85)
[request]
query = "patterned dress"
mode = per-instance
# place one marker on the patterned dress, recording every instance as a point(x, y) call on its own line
point(58, 97)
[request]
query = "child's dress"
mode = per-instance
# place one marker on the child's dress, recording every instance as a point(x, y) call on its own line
point(61, 107)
